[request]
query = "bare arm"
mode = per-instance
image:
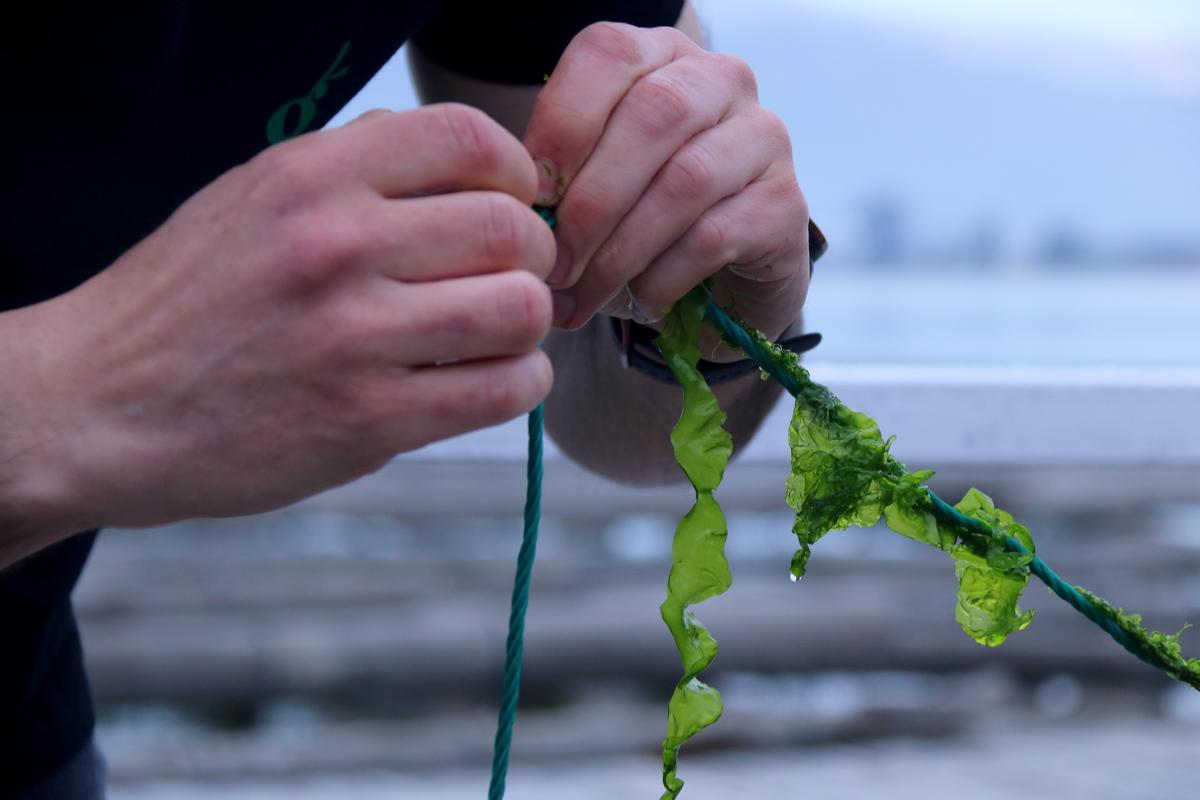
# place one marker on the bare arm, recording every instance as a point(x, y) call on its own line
point(292, 326)
point(613, 420)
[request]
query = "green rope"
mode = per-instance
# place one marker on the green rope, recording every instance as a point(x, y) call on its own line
point(1056, 584)
point(514, 646)
point(520, 601)
point(1148, 647)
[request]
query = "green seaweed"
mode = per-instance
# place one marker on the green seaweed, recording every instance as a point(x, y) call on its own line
point(698, 566)
point(1164, 646)
point(991, 582)
point(843, 473)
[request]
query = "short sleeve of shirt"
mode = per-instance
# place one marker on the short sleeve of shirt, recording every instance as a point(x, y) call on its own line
point(520, 42)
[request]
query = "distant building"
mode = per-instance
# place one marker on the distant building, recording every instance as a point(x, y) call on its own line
point(885, 235)
point(1063, 246)
point(984, 244)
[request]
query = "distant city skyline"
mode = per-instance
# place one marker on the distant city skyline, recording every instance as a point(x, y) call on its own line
point(886, 236)
point(987, 112)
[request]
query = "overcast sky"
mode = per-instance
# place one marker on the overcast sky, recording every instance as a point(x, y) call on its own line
point(1023, 115)
point(1156, 42)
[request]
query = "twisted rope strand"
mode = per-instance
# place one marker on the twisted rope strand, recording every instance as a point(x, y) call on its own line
point(737, 336)
point(515, 645)
point(948, 513)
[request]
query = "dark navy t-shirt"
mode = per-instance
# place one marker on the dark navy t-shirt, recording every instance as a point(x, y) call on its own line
point(113, 115)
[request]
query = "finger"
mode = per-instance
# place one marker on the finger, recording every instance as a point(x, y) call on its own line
point(716, 164)
point(461, 319)
point(762, 228)
point(458, 234)
point(598, 67)
point(438, 148)
point(657, 116)
point(452, 399)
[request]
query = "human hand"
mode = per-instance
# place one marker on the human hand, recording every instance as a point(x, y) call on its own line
point(665, 171)
point(338, 299)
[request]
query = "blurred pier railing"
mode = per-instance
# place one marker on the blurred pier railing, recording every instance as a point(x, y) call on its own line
point(1109, 436)
point(399, 582)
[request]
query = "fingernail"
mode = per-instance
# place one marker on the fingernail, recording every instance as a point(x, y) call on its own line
point(562, 266)
point(564, 308)
point(619, 305)
point(644, 313)
point(760, 273)
point(549, 191)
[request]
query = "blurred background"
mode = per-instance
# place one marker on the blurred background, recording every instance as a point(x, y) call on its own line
point(1012, 195)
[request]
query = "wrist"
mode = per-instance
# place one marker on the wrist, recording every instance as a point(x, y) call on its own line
point(637, 352)
point(38, 487)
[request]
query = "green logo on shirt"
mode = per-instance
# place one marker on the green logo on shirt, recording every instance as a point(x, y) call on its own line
point(306, 107)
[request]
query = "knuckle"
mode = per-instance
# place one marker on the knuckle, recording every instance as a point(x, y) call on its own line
point(713, 239)
point(614, 41)
point(542, 248)
point(586, 201)
point(458, 323)
point(295, 173)
point(608, 263)
point(524, 307)
point(317, 247)
point(471, 133)
point(504, 229)
point(538, 378)
point(786, 229)
point(739, 72)
point(687, 176)
point(659, 104)
point(773, 131)
point(499, 397)
point(786, 194)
